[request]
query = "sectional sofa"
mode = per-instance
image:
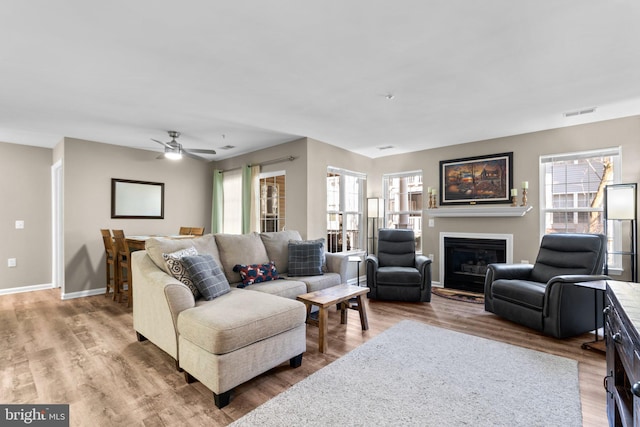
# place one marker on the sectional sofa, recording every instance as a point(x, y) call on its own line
point(236, 336)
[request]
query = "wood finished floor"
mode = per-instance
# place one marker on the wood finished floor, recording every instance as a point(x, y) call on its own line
point(84, 352)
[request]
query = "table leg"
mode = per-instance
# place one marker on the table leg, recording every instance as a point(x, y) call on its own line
point(364, 322)
point(323, 329)
point(344, 306)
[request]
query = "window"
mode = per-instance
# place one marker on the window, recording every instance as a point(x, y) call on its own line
point(345, 201)
point(573, 194)
point(232, 201)
point(403, 196)
point(272, 201)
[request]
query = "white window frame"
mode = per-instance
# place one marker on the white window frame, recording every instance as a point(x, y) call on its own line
point(614, 229)
point(358, 246)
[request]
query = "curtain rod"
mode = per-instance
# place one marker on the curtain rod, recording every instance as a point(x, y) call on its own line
point(265, 163)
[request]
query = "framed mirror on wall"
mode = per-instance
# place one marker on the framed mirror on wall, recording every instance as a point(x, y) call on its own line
point(137, 199)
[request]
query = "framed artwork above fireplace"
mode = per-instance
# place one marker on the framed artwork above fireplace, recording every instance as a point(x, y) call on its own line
point(475, 180)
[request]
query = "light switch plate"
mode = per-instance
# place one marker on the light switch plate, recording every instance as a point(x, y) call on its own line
point(432, 222)
point(11, 262)
point(19, 225)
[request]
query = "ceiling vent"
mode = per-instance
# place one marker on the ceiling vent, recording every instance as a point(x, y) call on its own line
point(386, 147)
point(227, 147)
point(580, 112)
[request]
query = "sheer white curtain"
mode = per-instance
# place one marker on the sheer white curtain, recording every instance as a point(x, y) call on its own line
point(232, 202)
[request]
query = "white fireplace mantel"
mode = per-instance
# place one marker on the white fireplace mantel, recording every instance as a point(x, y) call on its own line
point(478, 211)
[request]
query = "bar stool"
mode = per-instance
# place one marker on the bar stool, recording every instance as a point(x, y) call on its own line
point(110, 252)
point(193, 231)
point(123, 266)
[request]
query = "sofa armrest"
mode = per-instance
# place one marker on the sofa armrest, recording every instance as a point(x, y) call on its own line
point(576, 278)
point(158, 299)
point(423, 264)
point(338, 263)
point(371, 265)
point(509, 271)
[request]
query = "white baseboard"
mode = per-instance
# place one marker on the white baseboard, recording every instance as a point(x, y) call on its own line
point(26, 289)
point(82, 294)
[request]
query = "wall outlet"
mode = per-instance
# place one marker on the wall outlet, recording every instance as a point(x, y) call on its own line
point(430, 257)
point(11, 262)
point(432, 222)
point(524, 261)
point(19, 225)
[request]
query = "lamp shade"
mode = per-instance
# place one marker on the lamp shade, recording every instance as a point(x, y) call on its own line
point(621, 201)
point(373, 207)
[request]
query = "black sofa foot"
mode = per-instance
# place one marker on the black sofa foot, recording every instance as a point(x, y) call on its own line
point(295, 362)
point(221, 400)
point(140, 337)
point(189, 378)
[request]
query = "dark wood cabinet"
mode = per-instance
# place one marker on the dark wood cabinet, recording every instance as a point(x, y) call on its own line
point(622, 381)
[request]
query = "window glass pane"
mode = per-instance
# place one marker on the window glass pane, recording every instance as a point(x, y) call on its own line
point(574, 187)
point(345, 201)
point(272, 203)
point(404, 203)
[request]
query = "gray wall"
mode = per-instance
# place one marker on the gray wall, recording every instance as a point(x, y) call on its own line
point(88, 169)
point(25, 191)
point(89, 166)
point(526, 149)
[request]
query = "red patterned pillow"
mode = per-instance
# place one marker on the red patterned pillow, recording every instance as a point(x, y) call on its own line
point(256, 273)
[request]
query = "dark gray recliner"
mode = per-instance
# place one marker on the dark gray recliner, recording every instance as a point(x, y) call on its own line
point(396, 272)
point(544, 296)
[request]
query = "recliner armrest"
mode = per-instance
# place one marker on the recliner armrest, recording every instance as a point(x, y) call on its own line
point(509, 271)
point(422, 261)
point(371, 265)
point(575, 278)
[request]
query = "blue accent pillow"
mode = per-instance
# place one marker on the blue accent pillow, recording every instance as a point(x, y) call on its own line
point(256, 273)
point(306, 257)
point(207, 276)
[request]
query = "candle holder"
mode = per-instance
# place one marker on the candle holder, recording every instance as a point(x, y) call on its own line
point(524, 197)
point(432, 201)
point(514, 200)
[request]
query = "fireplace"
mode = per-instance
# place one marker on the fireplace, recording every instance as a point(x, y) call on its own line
point(464, 258)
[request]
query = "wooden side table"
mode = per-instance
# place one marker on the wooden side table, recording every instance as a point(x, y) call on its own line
point(325, 298)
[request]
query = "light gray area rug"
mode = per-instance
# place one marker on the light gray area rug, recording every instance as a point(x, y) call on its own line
point(419, 375)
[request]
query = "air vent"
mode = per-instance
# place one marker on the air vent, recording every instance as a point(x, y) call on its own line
point(580, 112)
point(386, 147)
point(227, 147)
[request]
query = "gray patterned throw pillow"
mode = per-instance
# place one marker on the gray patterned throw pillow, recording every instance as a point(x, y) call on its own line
point(207, 276)
point(178, 270)
point(306, 257)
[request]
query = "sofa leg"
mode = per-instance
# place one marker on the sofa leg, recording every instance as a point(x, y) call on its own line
point(189, 378)
point(295, 362)
point(140, 337)
point(221, 400)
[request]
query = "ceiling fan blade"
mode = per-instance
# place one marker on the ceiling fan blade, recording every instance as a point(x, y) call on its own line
point(193, 156)
point(202, 151)
point(160, 142)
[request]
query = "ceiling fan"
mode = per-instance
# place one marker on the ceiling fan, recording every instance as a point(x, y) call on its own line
point(173, 149)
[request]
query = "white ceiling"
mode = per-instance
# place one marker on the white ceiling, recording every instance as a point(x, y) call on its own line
point(266, 72)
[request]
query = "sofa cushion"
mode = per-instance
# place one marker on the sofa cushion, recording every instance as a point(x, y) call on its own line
point(238, 319)
point(256, 273)
point(156, 246)
point(179, 270)
point(316, 283)
point(282, 288)
point(306, 257)
point(240, 249)
point(277, 246)
point(207, 276)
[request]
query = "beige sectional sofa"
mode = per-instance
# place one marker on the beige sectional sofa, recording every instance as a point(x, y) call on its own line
point(236, 336)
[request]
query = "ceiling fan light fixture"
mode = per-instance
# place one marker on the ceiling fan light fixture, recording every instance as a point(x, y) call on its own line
point(173, 154)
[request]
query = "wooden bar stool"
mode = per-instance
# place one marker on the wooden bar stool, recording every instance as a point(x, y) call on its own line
point(123, 266)
point(110, 253)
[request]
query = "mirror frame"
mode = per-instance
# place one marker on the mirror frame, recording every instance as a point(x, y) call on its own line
point(124, 187)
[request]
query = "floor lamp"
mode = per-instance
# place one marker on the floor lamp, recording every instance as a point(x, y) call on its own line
point(620, 201)
point(374, 207)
